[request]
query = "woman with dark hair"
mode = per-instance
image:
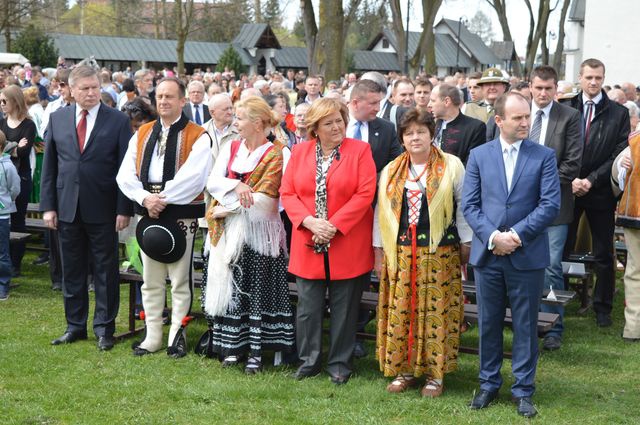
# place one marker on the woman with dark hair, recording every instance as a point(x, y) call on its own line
point(139, 112)
point(420, 239)
point(327, 192)
point(21, 134)
point(127, 94)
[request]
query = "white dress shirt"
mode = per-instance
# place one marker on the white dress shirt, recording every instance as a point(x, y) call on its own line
point(187, 183)
point(504, 146)
point(364, 129)
point(91, 121)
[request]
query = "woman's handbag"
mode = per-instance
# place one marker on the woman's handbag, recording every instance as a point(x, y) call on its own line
point(204, 347)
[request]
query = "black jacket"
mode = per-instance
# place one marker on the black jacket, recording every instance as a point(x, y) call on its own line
point(461, 135)
point(608, 136)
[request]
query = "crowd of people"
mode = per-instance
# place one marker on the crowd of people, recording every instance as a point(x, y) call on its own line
point(423, 182)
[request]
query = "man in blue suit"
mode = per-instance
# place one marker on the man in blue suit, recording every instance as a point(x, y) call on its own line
point(511, 195)
point(85, 144)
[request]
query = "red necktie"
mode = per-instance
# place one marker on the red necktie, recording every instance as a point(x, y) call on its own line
point(81, 130)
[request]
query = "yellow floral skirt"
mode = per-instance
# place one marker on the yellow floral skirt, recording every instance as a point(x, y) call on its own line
point(437, 316)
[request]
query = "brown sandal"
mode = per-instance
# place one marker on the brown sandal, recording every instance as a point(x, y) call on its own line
point(432, 389)
point(401, 383)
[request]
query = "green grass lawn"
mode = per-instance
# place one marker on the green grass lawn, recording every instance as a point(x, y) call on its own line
point(593, 379)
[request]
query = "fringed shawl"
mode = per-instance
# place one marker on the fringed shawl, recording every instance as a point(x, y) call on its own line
point(442, 172)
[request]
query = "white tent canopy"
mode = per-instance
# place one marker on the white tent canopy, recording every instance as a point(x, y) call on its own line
point(11, 58)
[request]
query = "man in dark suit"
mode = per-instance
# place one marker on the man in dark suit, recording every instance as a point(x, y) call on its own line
point(381, 135)
point(195, 109)
point(456, 133)
point(364, 125)
point(557, 127)
point(606, 129)
point(85, 144)
point(399, 103)
point(511, 195)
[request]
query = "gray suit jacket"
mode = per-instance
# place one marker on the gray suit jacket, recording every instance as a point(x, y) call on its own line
point(564, 136)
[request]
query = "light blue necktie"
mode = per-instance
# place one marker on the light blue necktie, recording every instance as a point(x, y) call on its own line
point(510, 164)
point(358, 134)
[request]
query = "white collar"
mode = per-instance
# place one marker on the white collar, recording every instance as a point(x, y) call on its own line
point(546, 110)
point(596, 99)
point(504, 145)
point(91, 112)
point(167, 128)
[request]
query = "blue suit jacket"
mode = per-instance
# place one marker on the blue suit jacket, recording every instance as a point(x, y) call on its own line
point(86, 181)
point(529, 208)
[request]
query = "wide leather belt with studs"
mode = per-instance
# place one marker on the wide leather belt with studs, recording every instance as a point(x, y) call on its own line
point(155, 188)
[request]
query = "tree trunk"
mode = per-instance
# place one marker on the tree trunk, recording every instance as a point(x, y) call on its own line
point(501, 10)
point(183, 20)
point(7, 25)
point(156, 20)
point(426, 50)
point(331, 39)
point(310, 34)
point(557, 56)
point(539, 36)
point(399, 32)
point(257, 11)
point(165, 22)
point(81, 4)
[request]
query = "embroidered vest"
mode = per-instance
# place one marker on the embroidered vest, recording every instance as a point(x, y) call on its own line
point(629, 205)
point(178, 149)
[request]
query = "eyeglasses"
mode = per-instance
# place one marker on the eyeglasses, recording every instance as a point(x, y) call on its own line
point(3, 102)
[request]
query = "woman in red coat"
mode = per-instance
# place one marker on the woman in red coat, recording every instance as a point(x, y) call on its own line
point(327, 191)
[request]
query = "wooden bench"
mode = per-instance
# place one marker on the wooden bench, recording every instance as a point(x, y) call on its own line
point(562, 297)
point(368, 301)
point(19, 237)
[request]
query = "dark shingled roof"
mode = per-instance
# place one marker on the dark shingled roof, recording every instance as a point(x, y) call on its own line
point(576, 12)
point(291, 57)
point(446, 48)
point(126, 49)
point(256, 35)
point(502, 49)
point(473, 42)
point(375, 61)
point(446, 51)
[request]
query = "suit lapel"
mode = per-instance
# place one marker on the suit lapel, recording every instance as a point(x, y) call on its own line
point(72, 119)
point(374, 134)
point(523, 157)
point(497, 148)
point(551, 125)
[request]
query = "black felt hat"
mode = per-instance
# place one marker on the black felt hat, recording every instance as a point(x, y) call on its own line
point(162, 240)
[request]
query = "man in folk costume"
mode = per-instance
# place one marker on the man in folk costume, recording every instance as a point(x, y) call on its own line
point(625, 175)
point(164, 171)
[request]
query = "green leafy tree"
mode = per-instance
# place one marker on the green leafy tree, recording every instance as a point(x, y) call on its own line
point(36, 46)
point(231, 60)
point(271, 14)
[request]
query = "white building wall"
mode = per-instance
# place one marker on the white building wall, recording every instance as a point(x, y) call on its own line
point(610, 35)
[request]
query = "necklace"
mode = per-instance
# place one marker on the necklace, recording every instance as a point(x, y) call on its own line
point(424, 170)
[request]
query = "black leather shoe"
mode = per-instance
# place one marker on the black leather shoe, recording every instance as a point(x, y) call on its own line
point(551, 343)
point(140, 352)
point(69, 337)
point(56, 286)
point(483, 399)
point(339, 379)
point(105, 343)
point(603, 320)
point(303, 374)
point(525, 407)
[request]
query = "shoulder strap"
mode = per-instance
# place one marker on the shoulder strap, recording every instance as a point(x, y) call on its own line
point(235, 145)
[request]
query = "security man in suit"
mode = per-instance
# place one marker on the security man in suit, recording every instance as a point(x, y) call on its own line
point(85, 144)
point(381, 135)
point(559, 128)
